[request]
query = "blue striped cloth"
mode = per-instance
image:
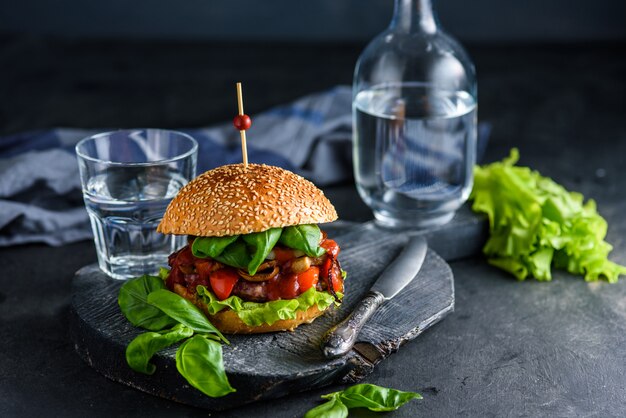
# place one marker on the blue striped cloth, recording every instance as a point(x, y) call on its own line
point(40, 193)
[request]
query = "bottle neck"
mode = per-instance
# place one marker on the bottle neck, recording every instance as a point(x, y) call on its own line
point(413, 16)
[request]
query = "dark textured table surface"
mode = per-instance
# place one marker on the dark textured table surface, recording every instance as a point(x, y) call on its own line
point(509, 349)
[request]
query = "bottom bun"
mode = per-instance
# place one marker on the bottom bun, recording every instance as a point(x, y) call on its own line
point(228, 322)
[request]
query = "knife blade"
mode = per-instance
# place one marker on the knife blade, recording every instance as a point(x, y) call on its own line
point(340, 339)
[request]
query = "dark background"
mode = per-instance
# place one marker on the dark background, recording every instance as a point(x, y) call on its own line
point(476, 21)
point(171, 64)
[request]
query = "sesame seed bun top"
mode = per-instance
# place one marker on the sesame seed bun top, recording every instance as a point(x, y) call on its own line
point(232, 200)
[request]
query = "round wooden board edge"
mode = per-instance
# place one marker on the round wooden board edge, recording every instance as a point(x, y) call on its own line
point(168, 384)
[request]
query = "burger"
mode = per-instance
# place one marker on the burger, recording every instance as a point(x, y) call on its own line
point(256, 260)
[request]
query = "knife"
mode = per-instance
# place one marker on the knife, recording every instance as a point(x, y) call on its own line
point(340, 339)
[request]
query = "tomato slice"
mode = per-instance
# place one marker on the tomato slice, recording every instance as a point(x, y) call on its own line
point(289, 286)
point(309, 278)
point(222, 282)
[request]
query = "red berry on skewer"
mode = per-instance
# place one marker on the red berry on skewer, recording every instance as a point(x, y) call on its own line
point(242, 122)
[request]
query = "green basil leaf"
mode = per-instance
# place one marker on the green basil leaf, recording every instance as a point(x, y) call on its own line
point(199, 361)
point(334, 408)
point(144, 346)
point(133, 301)
point(305, 238)
point(183, 311)
point(235, 255)
point(211, 337)
point(262, 242)
point(374, 398)
point(204, 247)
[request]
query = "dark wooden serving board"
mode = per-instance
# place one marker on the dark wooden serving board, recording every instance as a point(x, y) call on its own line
point(272, 365)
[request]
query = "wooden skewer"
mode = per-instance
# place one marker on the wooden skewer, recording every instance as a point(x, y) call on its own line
point(242, 132)
point(239, 99)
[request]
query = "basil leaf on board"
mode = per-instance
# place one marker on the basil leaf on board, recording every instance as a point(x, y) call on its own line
point(199, 360)
point(144, 346)
point(334, 408)
point(204, 247)
point(305, 238)
point(235, 255)
point(374, 398)
point(133, 301)
point(262, 242)
point(183, 311)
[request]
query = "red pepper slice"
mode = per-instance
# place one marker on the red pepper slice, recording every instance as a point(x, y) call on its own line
point(336, 279)
point(332, 276)
point(331, 247)
point(309, 278)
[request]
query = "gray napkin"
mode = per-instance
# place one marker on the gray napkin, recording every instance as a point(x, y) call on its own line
point(40, 199)
point(314, 134)
point(40, 194)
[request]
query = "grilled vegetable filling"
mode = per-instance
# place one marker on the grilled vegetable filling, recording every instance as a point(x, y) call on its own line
point(282, 273)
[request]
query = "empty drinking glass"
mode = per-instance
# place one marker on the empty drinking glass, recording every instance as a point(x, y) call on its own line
point(128, 179)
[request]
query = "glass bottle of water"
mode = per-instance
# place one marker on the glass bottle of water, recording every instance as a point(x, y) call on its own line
point(414, 119)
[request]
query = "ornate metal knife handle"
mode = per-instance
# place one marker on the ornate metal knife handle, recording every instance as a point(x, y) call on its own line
point(340, 339)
